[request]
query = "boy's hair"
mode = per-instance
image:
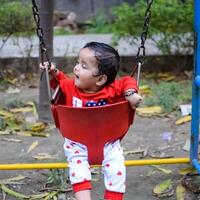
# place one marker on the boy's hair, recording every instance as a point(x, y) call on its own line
point(108, 60)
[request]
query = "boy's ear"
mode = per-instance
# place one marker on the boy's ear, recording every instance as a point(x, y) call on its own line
point(101, 80)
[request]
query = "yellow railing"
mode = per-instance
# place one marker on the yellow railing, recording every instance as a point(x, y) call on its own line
point(29, 166)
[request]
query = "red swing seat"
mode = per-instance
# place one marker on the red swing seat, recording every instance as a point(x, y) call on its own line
point(92, 126)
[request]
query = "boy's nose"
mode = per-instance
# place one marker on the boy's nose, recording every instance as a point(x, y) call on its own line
point(76, 68)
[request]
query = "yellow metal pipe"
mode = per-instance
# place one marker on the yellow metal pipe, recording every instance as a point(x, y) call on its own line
point(30, 166)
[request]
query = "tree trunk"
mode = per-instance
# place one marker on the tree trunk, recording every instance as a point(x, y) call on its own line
point(46, 15)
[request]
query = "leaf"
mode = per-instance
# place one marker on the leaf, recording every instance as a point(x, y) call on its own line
point(180, 192)
point(38, 127)
point(11, 122)
point(34, 109)
point(13, 193)
point(187, 170)
point(144, 152)
point(32, 146)
point(39, 196)
point(6, 132)
point(166, 171)
point(23, 110)
point(183, 120)
point(51, 195)
point(162, 187)
point(11, 90)
point(5, 114)
point(148, 111)
point(145, 89)
point(39, 134)
point(11, 140)
point(12, 180)
point(43, 156)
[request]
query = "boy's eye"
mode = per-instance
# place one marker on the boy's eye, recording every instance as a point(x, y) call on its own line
point(83, 66)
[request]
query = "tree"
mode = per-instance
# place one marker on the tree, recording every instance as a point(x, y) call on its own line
point(46, 14)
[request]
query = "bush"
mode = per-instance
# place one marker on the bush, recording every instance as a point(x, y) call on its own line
point(170, 95)
point(171, 24)
point(15, 18)
point(99, 24)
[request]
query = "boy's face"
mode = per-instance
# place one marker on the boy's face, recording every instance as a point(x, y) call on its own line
point(85, 71)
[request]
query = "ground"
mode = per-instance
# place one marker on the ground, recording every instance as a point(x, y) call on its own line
point(146, 133)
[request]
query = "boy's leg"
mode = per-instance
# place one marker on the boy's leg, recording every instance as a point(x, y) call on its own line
point(83, 195)
point(79, 169)
point(114, 171)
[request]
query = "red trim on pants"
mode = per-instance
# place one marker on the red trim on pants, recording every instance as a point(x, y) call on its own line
point(109, 195)
point(85, 185)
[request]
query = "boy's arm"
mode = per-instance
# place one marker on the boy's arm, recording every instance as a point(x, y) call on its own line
point(133, 98)
point(128, 87)
point(55, 74)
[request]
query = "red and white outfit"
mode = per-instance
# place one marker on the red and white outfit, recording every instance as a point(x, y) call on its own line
point(113, 164)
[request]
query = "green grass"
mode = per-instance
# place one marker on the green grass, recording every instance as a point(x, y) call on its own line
point(169, 95)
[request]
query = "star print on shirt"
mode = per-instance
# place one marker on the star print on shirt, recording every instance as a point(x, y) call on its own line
point(92, 103)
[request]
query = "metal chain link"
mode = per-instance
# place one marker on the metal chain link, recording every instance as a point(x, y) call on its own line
point(43, 49)
point(140, 56)
point(40, 33)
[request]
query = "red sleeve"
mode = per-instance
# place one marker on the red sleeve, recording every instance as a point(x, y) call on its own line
point(55, 81)
point(125, 83)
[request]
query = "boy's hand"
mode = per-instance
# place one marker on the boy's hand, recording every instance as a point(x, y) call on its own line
point(52, 69)
point(135, 100)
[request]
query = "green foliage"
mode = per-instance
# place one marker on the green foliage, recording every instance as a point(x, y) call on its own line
point(99, 24)
point(172, 20)
point(62, 31)
point(170, 95)
point(58, 178)
point(16, 18)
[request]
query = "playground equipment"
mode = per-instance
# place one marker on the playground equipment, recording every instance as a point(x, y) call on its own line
point(194, 124)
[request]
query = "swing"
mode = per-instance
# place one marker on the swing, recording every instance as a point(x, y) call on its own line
point(93, 126)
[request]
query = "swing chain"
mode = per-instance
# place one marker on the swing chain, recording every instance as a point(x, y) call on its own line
point(40, 34)
point(140, 56)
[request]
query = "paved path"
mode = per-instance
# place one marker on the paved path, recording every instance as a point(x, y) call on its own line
point(69, 45)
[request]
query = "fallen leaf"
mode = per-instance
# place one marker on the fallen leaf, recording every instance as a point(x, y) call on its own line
point(13, 124)
point(51, 195)
point(12, 180)
point(38, 127)
point(145, 89)
point(187, 170)
point(160, 155)
point(166, 171)
point(32, 134)
point(143, 151)
point(11, 90)
point(43, 156)
point(13, 193)
point(183, 120)
point(12, 81)
point(23, 110)
point(39, 134)
point(32, 146)
point(162, 187)
point(11, 140)
point(148, 111)
point(6, 132)
point(39, 196)
point(180, 192)
point(5, 114)
point(186, 146)
point(34, 109)
point(151, 172)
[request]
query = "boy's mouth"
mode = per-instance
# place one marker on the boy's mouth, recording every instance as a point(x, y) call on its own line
point(76, 76)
